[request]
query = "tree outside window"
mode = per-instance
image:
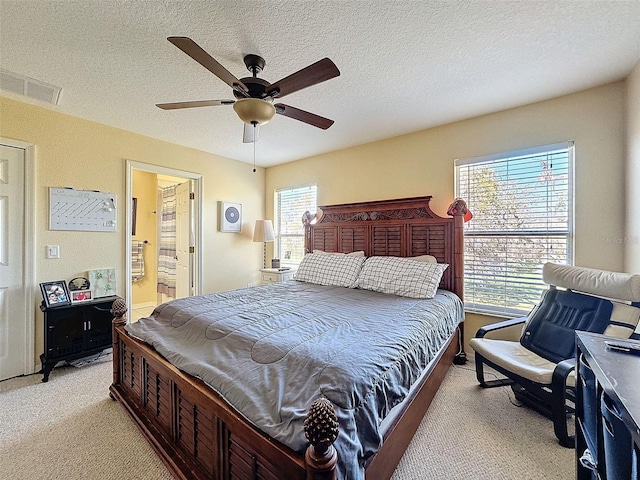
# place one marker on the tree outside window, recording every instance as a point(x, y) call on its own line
point(522, 207)
point(290, 205)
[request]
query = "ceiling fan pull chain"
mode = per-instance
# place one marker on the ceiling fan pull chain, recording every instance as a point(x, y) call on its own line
point(254, 146)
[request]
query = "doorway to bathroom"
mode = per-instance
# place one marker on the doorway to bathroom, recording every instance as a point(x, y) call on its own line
point(163, 240)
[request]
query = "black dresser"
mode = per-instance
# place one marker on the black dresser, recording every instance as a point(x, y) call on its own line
point(75, 331)
point(607, 410)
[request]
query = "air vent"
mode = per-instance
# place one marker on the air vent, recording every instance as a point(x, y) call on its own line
point(29, 87)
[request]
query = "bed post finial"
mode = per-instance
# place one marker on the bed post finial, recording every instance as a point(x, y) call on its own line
point(321, 429)
point(308, 219)
point(119, 311)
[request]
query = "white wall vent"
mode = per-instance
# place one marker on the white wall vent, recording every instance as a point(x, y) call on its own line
point(29, 87)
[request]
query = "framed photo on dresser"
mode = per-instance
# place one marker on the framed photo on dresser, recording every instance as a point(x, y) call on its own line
point(55, 293)
point(80, 296)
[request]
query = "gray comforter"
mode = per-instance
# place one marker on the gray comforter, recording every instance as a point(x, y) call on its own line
point(270, 351)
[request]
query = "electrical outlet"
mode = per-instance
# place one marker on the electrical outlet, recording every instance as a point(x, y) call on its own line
point(249, 284)
point(53, 251)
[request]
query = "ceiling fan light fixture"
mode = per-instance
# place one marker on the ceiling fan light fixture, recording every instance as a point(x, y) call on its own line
point(254, 110)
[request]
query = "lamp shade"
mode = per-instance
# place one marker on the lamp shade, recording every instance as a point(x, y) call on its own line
point(254, 110)
point(263, 231)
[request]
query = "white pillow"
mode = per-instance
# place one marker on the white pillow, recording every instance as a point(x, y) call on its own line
point(335, 270)
point(424, 258)
point(401, 276)
point(419, 258)
point(358, 253)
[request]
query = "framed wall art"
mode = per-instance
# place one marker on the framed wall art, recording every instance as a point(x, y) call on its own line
point(230, 217)
point(103, 282)
point(134, 212)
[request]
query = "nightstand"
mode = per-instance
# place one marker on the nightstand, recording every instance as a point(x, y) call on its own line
point(274, 275)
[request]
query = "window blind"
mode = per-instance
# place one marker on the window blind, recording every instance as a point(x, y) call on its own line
point(290, 205)
point(522, 205)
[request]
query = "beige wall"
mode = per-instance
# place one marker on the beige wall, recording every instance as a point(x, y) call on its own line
point(421, 163)
point(85, 155)
point(632, 234)
point(145, 189)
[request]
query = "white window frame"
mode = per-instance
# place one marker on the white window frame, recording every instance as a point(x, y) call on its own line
point(278, 222)
point(532, 282)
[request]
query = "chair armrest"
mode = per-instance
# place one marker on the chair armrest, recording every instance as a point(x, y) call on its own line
point(482, 331)
point(559, 401)
point(563, 369)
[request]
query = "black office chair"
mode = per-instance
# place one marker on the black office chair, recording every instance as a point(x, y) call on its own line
point(540, 364)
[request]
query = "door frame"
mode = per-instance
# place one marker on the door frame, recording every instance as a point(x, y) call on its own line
point(197, 220)
point(183, 260)
point(29, 252)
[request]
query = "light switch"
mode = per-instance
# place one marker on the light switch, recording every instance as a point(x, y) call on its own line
point(53, 251)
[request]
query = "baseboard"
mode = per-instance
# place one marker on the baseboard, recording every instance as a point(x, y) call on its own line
point(142, 305)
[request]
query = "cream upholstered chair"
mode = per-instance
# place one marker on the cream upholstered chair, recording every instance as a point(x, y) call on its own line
point(536, 353)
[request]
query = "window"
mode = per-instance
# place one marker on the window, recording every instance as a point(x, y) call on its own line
point(290, 205)
point(522, 205)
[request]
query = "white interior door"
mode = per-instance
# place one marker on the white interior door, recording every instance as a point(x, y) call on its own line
point(13, 315)
point(183, 239)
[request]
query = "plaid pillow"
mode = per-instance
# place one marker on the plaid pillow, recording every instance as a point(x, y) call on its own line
point(335, 270)
point(401, 276)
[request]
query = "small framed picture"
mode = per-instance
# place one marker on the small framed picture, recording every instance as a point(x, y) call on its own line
point(134, 212)
point(55, 293)
point(80, 296)
point(230, 217)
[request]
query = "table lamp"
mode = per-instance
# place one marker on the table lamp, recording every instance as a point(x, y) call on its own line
point(263, 232)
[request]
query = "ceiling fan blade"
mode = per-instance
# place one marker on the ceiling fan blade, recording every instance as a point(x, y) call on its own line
point(316, 73)
point(306, 117)
point(196, 52)
point(199, 103)
point(251, 133)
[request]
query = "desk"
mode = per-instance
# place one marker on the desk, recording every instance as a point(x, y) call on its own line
point(607, 410)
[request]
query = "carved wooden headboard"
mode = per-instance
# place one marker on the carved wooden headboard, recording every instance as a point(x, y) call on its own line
point(405, 227)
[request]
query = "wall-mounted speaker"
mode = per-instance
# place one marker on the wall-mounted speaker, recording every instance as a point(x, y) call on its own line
point(230, 217)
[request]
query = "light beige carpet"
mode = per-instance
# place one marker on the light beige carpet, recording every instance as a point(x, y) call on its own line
point(69, 429)
point(475, 433)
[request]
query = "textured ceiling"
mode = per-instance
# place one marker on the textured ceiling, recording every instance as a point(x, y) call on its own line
point(405, 65)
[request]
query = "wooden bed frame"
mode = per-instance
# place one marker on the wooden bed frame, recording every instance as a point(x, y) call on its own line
point(199, 436)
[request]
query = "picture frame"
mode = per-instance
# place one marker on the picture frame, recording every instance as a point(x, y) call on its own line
point(103, 282)
point(230, 217)
point(55, 293)
point(134, 211)
point(78, 296)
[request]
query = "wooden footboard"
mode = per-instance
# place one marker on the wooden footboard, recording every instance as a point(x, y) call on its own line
point(199, 436)
point(195, 433)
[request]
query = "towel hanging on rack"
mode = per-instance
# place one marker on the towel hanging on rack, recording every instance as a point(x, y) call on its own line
point(137, 260)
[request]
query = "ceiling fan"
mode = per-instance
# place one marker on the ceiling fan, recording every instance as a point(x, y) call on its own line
point(254, 96)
